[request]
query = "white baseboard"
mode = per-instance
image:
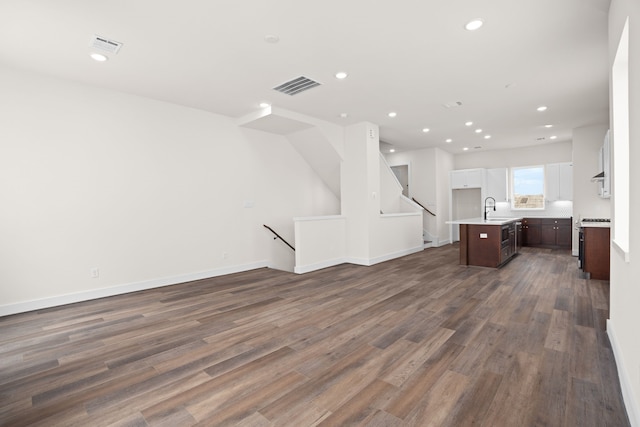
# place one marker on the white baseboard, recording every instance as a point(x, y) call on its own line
point(383, 258)
point(630, 401)
point(318, 265)
point(357, 261)
point(443, 242)
point(397, 254)
point(22, 307)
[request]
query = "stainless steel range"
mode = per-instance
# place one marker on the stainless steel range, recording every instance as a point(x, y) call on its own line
point(595, 222)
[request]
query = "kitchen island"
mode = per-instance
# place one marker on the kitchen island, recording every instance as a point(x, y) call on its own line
point(487, 242)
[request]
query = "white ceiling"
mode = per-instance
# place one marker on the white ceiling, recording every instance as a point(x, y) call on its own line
point(407, 56)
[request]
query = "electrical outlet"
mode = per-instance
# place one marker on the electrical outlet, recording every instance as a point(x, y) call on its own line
point(95, 273)
point(225, 255)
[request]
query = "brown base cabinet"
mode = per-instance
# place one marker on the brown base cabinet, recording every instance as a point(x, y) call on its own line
point(547, 232)
point(596, 252)
point(531, 231)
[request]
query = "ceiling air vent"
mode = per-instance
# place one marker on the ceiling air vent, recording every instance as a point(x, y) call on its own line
point(105, 44)
point(296, 86)
point(452, 104)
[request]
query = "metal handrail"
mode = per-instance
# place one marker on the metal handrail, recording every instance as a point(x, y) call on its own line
point(278, 236)
point(420, 204)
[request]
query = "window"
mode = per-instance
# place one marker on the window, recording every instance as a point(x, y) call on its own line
point(528, 187)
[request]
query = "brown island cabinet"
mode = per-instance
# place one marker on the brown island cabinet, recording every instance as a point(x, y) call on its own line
point(487, 243)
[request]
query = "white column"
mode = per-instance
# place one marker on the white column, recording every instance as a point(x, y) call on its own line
point(360, 187)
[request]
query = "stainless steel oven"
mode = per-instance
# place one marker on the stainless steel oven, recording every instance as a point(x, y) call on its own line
point(505, 234)
point(580, 247)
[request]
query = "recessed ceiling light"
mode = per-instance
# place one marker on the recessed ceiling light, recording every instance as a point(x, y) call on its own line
point(393, 150)
point(341, 75)
point(478, 130)
point(264, 105)
point(548, 126)
point(553, 137)
point(392, 114)
point(542, 108)
point(98, 57)
point(449, 140)
point(271, 38)
point(344, 115)
point(466, 148)
point(487, 137)
point(468, 123)
point(425, 130)
point(474, 24)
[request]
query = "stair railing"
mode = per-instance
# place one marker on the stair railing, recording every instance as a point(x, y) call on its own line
point(420, 204)
point(278, 236)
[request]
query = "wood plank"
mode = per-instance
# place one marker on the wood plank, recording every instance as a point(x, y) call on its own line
point(358, 408)
point(558, 337)
point(439, 402)
point(551, 401)
point(473, 406)
point(516, 391)
point(430, 373)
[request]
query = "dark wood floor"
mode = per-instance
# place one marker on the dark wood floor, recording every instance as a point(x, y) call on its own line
point(418, 341)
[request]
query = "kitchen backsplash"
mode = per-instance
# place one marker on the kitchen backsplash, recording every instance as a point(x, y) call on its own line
point(562, 209)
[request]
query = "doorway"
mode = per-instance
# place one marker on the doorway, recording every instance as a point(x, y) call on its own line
point(402, 173)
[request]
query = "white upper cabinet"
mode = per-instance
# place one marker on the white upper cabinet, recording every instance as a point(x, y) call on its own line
point(467, 178)
point(559, 181)
point(497, 184)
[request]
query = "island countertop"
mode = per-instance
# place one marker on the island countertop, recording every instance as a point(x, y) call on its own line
point(482, 221)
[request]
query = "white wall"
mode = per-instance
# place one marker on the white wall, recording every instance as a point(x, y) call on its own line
point(320, 242)
point(429, 184)
point(395, 235)
point(624, 319)
point(514, 157)
point(372, 237)
point(146, 191)
point(357, 185)
point(390, 189)
point(444, 164)
point(586, 201)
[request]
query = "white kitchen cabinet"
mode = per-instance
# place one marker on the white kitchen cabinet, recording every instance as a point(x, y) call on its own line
point(559, 177)
point(467, 178)
point(497, 184)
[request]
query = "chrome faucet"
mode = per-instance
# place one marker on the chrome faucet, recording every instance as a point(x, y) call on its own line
point(485, 206)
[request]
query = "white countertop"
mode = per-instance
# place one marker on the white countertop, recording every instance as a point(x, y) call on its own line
point(482, 221)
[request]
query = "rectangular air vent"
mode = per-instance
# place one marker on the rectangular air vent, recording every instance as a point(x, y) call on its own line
point(452, 104)
point(295, 86)
point(105, 44)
